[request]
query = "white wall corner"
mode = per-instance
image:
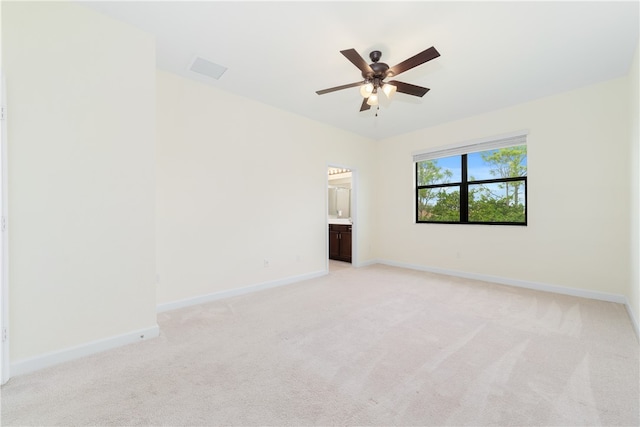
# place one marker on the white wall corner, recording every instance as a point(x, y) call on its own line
point(56, 357)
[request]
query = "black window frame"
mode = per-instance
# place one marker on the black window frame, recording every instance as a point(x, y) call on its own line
point(464, 184)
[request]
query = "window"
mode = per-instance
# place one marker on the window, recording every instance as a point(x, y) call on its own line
point(482, 183)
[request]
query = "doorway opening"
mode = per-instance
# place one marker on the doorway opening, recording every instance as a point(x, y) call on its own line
point(341, 214)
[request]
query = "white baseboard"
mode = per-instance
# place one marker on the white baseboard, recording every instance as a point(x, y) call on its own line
point(634, 320)
point(583, 293)
point(187, 302)
point(53, 358)
point(367, 263)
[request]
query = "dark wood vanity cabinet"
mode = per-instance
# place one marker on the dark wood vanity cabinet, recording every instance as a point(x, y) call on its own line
point(340, 242)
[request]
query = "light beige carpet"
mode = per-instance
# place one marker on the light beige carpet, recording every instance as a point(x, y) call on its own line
point(372, 346)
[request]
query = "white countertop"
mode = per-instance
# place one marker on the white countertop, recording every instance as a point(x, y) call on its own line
point(340, 221)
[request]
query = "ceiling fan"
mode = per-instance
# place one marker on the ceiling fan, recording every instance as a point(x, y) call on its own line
point(375, 73)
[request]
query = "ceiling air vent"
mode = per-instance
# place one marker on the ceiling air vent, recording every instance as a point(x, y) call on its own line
point(207, 68)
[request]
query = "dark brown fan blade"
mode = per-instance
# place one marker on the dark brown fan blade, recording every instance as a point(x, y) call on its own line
point(364, 106)
point(357, 60)
point(409, 88)
point(414, 61)
point(333, 89)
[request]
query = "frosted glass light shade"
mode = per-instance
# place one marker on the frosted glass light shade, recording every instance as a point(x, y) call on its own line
point(373, 99)
point(389, 90)
point(366, 90)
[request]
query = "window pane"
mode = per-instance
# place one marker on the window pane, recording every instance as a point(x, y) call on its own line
point(497, 202)
point(507, 162)
point(439, 204)
point(439, 171)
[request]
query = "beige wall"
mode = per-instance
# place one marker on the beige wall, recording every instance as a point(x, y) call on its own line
point(578, 186)
point(81, 99)
point(240, 182)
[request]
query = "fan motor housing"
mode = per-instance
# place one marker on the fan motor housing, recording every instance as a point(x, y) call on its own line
point(379, 68)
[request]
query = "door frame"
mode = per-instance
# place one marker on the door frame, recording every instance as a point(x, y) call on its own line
point(354, 212)
point(4, 244)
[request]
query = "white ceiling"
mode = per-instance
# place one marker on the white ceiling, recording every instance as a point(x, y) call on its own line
point(493, 54)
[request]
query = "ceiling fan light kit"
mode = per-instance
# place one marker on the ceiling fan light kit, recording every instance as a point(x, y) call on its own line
point(375, 73)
